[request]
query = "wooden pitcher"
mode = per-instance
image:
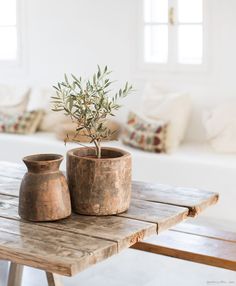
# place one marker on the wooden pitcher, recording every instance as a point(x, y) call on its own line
point(44, 194)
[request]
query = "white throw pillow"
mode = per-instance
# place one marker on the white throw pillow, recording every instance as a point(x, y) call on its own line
point(13, 100)
point(220, 126)
point(174, 108)
point(41, 99)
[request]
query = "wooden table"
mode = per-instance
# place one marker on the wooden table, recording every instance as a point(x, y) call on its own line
point(69, 246)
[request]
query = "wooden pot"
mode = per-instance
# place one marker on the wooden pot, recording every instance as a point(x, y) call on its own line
point(99, 186)
point(44, 193)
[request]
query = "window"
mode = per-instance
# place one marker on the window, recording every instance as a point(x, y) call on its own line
point(173, 32)
point(8, 30)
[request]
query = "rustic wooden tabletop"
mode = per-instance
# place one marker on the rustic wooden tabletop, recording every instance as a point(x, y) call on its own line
point(67, 247)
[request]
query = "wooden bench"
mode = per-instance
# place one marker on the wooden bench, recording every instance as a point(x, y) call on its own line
point(195, 243)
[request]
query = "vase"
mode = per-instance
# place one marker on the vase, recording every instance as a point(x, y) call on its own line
point(99, 186)
point(44, 193)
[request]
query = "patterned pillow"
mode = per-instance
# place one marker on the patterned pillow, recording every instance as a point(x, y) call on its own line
point(24, 123)
point(145, 134)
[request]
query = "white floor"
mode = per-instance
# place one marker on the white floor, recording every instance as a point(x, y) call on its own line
point(136, 268)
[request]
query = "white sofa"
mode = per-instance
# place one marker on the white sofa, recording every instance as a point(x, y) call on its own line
point(192, 165)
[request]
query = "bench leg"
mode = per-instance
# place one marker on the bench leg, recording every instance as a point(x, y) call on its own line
point(15, 274)
point(53, 279)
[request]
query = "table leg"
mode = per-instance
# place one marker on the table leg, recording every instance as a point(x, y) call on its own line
point(3, 272)
point(15, 274)
point(54, 279)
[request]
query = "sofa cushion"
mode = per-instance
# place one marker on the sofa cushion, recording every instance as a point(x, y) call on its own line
point(145, 134)
point(25, 123)
point(41, 98)
point(14, 100)
point(172, 107)
point(220, 125)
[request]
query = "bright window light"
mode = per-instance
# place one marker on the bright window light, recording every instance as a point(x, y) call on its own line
point(190, 11)
point(156, 31)
point(8, 30)
point(156, 48)
point(190, 44)
point(156, 11)
point(173, 32)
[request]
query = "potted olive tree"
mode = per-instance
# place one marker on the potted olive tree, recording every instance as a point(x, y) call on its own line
point(99, 178)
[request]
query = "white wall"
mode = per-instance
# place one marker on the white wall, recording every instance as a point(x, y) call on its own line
point(74, 35)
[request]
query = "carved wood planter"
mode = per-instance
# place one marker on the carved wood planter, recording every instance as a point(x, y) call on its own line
point(99, 186)
point(44, 193)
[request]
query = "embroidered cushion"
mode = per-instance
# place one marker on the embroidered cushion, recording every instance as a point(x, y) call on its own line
point(145, 134)
point(24, 123)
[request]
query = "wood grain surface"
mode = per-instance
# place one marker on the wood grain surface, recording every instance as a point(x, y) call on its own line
point(50, 249)
point(196, 248)
point(165, 216)
point(12, 170)
point(9, 186)
point(99, 186)
point(195, 200)
point(68, 246)
point(124, 232)
point(15, 274)
point(205, 231)
point(53, 279)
